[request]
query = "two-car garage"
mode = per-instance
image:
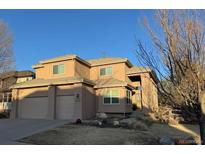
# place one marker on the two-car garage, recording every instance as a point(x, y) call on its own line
point(37, 107)
point(53, 102)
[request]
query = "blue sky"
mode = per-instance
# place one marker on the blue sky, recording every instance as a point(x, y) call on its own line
point(42, 34)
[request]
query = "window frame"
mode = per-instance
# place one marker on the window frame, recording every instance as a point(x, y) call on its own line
point(58, 68)
point(111, 97)
point(106, 71)
point(128, 96)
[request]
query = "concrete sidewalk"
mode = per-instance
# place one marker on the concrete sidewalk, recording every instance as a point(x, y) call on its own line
point(13, 130)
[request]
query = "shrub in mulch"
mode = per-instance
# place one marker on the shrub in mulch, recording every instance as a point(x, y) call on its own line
point(132, 123)
point(4, 115)
point(78, 121)
point(134, 107)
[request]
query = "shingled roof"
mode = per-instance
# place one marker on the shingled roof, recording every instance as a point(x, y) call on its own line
point(136, 69)
point(60, 58)
point(111, 82)
point(16, 74)
point(47, 82)
point(108, 60)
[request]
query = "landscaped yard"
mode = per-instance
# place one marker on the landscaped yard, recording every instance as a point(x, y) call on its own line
point(92, 135)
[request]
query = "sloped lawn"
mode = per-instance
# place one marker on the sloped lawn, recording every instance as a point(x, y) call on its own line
point(91, 135)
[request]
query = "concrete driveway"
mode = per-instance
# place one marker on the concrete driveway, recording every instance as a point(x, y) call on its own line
point(12, 130)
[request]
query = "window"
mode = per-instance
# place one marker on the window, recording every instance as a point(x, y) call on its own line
point(111, 97)
point(6, 97)
point(58, 69)
point(128, 93)
point(106, 71)
point(9, 97)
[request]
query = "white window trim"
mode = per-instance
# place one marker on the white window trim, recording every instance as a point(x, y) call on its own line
point(111, 99)
point(105, 68)
point(130, 94)
point(59, 73)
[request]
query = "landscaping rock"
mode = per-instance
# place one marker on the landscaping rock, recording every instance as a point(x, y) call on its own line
point(116, 123)
point(92, 122)
point(99, 123)
point(166, 141)
point(137, 114)
point(127, 123)
point(101, 115)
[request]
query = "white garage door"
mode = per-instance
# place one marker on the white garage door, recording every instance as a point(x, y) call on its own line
point(33, 108)
point(65, 107)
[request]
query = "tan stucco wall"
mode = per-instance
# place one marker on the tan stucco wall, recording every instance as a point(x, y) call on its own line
point(118, 72)
point(149, 92)
point(32, 92)
point(113, 108)
point(89, 102)
point(82, 70)
point(127, 79)
point(46, 72)
point(136, 98)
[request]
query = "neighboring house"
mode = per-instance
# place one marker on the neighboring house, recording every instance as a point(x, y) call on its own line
point(69, 87)
point(8, 79)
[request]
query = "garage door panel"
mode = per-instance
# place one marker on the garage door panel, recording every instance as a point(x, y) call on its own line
point(33, 108)
point(65, 107)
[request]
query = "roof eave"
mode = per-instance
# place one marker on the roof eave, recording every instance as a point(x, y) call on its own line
point(83, 61)
point(57, 59)
point(47, 84)
point(114, 62)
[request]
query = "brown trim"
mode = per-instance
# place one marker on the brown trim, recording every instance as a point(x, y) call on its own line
point(109, 63)
point(35, 96)
point(65, 95)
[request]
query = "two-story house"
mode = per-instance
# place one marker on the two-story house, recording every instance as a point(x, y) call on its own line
point(8, 79)
point(69, 87)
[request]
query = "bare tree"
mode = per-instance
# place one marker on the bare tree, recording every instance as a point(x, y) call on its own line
point(178, 57)
point(6, 53)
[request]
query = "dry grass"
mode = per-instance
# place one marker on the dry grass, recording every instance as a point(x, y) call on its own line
point(91, 135)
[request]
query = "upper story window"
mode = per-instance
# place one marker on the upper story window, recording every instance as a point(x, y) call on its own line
point(106, 71)
point(58, 69)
